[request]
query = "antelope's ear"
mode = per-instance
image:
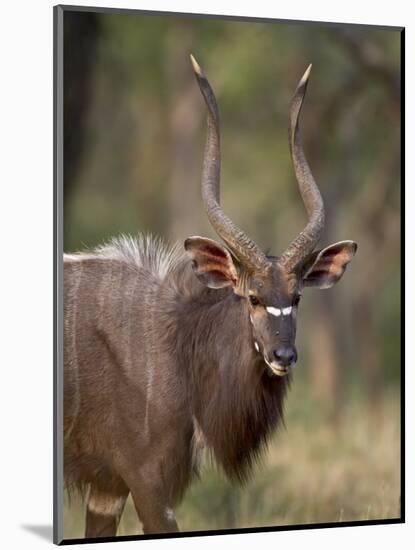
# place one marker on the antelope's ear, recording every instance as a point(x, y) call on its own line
point(325, 267)
point(211, 262)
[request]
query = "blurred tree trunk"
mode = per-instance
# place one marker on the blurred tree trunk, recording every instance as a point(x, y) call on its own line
point(369, 354)
point(324, 355)
point(325, 341)
point(329, 354)
point(184, 187)
point(81, 32)
point(381, 231)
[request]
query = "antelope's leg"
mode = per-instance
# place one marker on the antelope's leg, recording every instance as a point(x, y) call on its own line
point(154, 513)
point(103, 512)
point(99, 525)
point(152, 504)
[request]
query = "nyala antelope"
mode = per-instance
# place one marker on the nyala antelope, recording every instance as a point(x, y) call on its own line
point(169, 350)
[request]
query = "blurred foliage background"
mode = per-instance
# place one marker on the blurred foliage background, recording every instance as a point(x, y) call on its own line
point(134, 130)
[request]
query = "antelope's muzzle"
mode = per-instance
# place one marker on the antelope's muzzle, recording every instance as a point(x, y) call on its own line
point(284, 358)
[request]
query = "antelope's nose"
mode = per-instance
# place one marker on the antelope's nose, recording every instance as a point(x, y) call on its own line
point(285, 355)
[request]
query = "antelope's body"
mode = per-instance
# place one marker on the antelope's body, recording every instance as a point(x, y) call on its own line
point(157, 367)
point(170, 351)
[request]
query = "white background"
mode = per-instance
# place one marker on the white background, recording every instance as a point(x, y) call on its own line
point(26, 305)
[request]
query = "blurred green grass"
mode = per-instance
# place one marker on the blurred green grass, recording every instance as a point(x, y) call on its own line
point(317, 469)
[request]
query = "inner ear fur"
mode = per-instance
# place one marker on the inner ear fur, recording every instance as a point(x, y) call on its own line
point(325, 267)
point(211, 262)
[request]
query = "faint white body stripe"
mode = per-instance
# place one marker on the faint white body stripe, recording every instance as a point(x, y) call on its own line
point(72, 331)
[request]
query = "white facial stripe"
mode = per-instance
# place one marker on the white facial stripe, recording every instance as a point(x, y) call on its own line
point(277, 312)
point(274, 311)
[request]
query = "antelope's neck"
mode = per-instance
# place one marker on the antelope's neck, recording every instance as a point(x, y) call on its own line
point(236, 405)
point(217, 334)
point(215, 346)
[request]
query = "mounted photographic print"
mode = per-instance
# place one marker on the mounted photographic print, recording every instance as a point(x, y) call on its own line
point(227, 275)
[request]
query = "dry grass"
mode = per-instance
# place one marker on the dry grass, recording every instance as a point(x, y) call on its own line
point(315, 471)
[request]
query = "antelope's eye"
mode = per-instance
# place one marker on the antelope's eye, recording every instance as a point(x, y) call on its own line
point(254, 300)
point(296, 300)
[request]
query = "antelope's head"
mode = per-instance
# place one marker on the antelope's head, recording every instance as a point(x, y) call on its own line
point(270, 285)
